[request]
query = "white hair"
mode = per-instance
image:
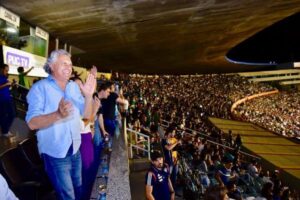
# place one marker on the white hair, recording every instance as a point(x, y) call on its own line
point(53, 57)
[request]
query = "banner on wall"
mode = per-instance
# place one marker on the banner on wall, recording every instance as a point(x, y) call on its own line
point(16, 58)
point(41, 33)
point(9, 16)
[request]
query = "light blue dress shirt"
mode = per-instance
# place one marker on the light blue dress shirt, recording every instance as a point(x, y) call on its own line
point(5, 192)
point(43, 98)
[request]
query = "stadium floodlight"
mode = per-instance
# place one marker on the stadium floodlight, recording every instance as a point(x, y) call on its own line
point(296, 64)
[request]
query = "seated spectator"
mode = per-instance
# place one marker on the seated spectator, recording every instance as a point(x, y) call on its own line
point(216, 193)
point(252, 168)
point(286, 194)
point(224, 175)
point(267, 191)
point(233, 192)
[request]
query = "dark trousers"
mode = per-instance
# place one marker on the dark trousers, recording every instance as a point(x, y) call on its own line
point(7, 115)
point(110, 126)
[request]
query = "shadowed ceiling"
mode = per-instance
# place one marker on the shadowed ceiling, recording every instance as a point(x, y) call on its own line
point(155, 36)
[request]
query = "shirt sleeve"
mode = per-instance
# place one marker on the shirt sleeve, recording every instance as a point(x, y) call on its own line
point(115, 96)
point(2, 80)
point(149, 178)
point(100, 111)
point(36, 102)
point(77, 98)
point(5, 192)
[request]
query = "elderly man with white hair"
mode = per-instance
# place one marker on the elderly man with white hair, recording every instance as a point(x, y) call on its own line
point(55, 108)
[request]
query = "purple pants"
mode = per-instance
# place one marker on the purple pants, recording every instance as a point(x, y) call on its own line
point(87, 150)
point(87, 157)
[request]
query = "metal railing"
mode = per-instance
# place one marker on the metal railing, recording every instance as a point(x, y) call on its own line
point(166, 124)
point(133, 142)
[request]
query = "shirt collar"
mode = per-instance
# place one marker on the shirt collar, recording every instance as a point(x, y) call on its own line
point(51, 78)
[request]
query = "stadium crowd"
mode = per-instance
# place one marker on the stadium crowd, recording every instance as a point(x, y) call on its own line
point(186, 102)
point(278, 113)
point(189, 100)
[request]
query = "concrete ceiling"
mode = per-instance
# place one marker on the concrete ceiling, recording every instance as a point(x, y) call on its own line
point(155, 36)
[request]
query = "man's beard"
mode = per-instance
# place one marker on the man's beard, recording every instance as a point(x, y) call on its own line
point(160, 165)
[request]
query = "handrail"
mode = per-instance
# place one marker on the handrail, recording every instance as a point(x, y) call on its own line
point(21, 86)
point(148, 150)
point(207, 136)
point(240, 101)
point(216, 143)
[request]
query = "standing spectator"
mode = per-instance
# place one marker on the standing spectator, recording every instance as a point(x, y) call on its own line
point(6, 104)
point(55, 107)
point(22, 74)
point(87, 148)
point(108, 118)
point(229, 138)
point(238, 142)
point(158, 183)
point(168, 147)
point(103, 92)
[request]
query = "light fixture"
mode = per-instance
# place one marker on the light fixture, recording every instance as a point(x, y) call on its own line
point(296, 64)
point(11, 30)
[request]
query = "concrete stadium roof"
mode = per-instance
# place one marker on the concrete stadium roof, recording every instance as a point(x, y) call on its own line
point(155, 36)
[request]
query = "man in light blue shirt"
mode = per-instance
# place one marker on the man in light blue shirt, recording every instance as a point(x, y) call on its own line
point(55, 107)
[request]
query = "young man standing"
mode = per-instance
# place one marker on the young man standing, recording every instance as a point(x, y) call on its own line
point(103, 93)
point(108, 122)
point(158, 183)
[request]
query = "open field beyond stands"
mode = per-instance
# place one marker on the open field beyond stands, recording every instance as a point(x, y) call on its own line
point(276, 151)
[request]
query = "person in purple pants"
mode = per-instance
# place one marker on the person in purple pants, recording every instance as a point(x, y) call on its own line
point(87, 148)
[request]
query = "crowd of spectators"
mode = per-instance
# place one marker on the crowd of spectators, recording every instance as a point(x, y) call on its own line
point(186, 102)
point(190, 99)
point(278, 112)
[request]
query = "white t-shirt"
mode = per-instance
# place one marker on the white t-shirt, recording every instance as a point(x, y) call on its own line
point(126, 105)
point(85, 129)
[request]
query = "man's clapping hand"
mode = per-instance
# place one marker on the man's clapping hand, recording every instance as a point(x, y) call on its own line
point(64, 108)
